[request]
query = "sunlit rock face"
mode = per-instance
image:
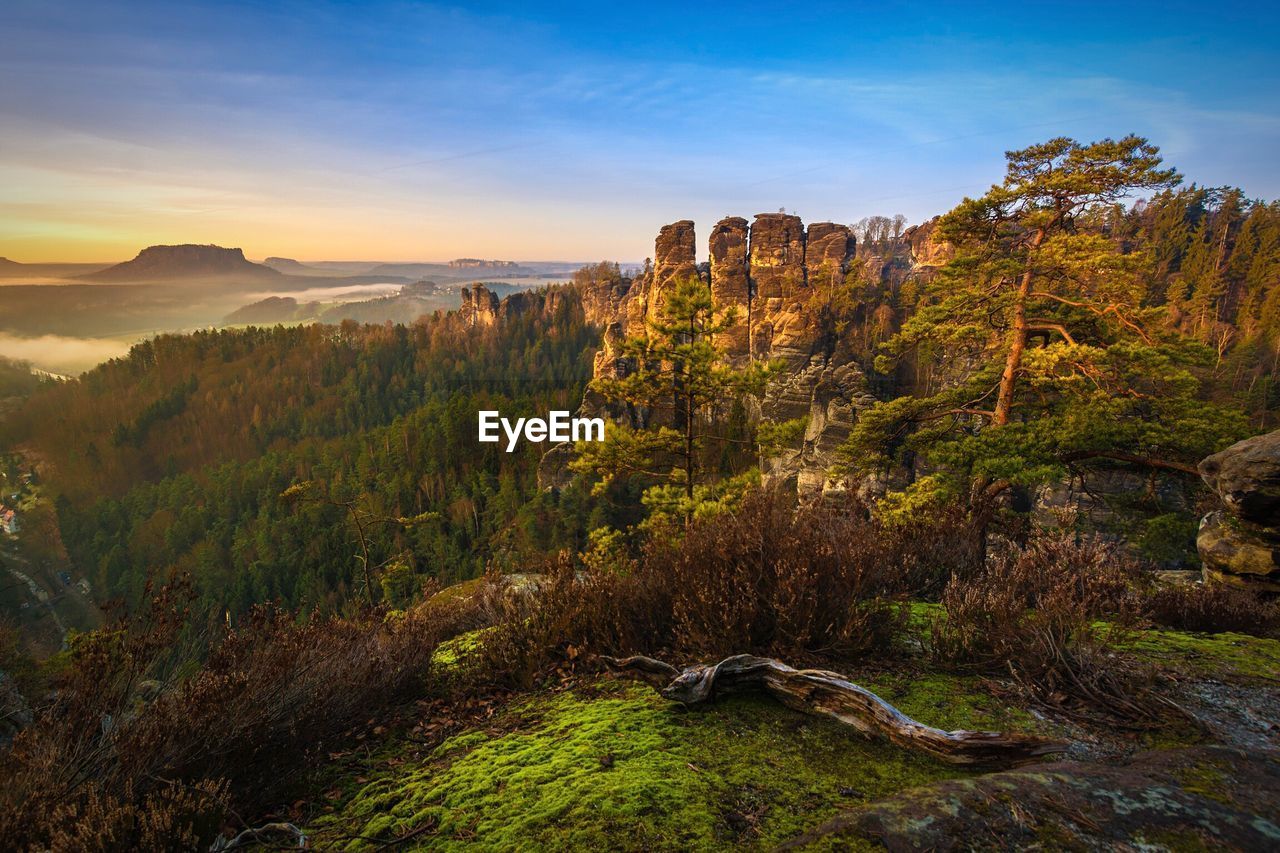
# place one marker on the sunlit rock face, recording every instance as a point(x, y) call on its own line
point(482, 307)
point(479, 306)
point(1240, 544)
point(674, 258)
point(928, 250)
point(780, 279)
point(731, 283)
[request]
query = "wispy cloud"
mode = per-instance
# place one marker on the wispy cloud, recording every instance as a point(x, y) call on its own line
point(412, 131)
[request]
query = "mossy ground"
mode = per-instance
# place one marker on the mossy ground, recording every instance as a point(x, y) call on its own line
point(617, 767)
point(1232, 656)
point(614, 766)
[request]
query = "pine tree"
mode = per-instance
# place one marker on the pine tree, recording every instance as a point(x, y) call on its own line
point(1038, 326)
point(684, 386)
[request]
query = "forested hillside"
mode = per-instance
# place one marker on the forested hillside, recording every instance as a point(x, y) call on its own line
point(176, 457)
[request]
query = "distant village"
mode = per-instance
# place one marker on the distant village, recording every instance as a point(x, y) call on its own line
point(14, 485)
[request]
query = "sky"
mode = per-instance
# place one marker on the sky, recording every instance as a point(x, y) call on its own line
point(572, 131)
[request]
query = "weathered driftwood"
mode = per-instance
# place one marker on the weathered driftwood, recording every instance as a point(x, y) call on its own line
point(815, 691)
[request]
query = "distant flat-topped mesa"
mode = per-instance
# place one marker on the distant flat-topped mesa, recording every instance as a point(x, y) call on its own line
point(158, 263)
point(478, 263)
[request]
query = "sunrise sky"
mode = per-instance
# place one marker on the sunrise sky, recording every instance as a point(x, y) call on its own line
point(399, 131)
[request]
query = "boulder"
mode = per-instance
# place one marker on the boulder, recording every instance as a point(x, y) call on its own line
point(1246, 476)
point(1240, 545)
point(1238, 553)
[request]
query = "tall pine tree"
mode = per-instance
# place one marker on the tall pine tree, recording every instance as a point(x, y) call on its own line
point(1040, 327)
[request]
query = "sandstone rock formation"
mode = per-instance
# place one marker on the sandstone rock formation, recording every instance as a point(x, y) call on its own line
point(927, 249)
point(731, 282)
point(674, 258)
point(479, 306)
point(1240, 545)
point(779, 278)
point(1246, 476)
point(482, 307)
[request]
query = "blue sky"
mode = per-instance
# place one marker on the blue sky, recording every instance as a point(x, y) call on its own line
point(571, 131)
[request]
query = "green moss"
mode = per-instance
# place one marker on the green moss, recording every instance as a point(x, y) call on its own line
point(1206, 779)
point(624, 769)
point(457, 592)
point(453, 652)
point(1217, 655)
point(947, 701)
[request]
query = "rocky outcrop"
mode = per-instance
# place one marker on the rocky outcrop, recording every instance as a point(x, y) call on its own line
point(479, 306)
point(828, 250)
point(778, 284)
point(1157, 801)
point(828, 393)
point(674, 258)
point(482, 307)
point(1240, 544)
point(1246, 476)
point(928, 250)
point(731, 282)
point(780, 279)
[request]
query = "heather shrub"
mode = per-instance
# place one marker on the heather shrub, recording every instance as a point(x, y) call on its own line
point(133, 746)
point(771, 578)
point(1054, 616)
point(565, 614)
point(1214, 608)
point(171, 816)
point(765, 576)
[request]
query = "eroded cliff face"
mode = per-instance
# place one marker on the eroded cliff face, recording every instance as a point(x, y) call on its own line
point(482, 307)
point(781, 280)
point(479, 306)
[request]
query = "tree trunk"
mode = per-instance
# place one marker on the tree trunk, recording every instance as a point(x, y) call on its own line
point(814, 691)
point(1017, 338)
point(688, 436)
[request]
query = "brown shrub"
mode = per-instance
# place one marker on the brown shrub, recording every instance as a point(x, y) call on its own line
point(126, 729)
point(769, 578)
point(1034, 613)
point(170, 817)
point(560, 616)
point(1214, 608)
